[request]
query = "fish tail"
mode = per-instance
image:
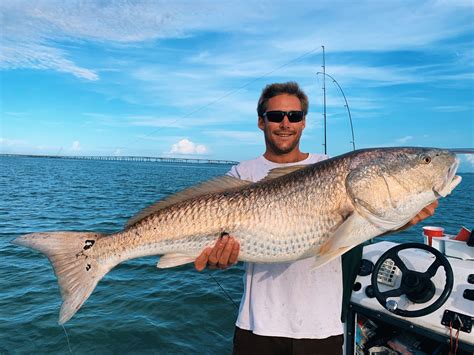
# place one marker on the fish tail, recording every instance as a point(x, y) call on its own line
point(76, 269)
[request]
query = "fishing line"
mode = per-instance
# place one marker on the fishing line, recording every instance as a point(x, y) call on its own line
point(224, 96)
point(223, 290)
point(67, 338)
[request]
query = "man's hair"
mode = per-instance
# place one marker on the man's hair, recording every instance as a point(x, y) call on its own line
point(275, 89)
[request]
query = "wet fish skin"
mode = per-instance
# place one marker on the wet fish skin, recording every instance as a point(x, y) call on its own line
point(320, 210)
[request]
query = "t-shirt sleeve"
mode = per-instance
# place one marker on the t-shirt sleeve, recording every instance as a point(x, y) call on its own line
point(234, 172)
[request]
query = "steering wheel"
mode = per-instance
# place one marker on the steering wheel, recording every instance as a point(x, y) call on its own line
point(417, 286)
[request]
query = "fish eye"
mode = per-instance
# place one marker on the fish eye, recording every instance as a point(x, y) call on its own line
point(426, 159)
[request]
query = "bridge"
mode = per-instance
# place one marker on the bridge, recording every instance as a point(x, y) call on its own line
point(128, 158)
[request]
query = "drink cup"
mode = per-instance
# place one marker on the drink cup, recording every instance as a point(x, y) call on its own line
point(433, 232)
point(463, 234)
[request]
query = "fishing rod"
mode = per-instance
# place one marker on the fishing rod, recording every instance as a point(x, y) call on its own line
point(346, 105)
point(324, 100)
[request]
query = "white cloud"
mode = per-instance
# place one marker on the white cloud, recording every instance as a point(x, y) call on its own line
point(31, 34)
point(360, 25)
point(185, 146)
point(76, 146)
point(151, 121)
point(200, 57)
point(42, 57)
point(451, 108)
point(11, 142)
point(14, 114)
point(238, 137)
point(122, 21)
point(404, 140)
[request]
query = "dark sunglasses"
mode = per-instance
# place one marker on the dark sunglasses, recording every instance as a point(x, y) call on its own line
point(278, 116)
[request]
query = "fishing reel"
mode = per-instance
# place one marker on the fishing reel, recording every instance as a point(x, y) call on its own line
point(418, 287)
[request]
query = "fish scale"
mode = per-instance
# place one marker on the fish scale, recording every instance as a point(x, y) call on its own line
point(320, 210)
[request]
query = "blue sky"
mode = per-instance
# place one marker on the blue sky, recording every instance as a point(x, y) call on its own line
point(182, 78)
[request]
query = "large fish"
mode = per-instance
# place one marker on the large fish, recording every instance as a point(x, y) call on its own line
point(319, 210)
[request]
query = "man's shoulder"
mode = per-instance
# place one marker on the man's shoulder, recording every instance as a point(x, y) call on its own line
point(257, 168)
point(317, 157)
point(312, 158)
point(247, 169)
point(250, 162)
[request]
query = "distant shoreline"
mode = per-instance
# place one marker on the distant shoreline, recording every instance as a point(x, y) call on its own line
point(125, 158)
point(138, 159)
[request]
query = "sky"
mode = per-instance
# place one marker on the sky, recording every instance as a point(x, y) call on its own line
point(182, 78)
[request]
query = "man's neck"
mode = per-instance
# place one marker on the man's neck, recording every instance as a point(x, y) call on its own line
point(291, 157)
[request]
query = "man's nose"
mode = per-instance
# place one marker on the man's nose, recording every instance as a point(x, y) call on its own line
point(285, 122)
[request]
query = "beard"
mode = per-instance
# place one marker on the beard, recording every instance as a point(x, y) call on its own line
point(279, 150)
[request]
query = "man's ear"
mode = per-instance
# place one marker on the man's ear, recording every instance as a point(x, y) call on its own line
point(261, 123)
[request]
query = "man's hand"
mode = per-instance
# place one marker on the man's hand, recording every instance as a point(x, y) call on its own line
point(224, 254)
point(426, 212)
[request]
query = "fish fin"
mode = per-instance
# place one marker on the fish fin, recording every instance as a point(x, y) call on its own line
point(323, 259)
point(353, 231)
point(277, 172)
point(216, 185)
point(77, 272)
point(175, 259)
point(384, 224)
point(347, 234)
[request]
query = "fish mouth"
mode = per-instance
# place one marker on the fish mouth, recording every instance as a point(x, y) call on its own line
point(450, 181)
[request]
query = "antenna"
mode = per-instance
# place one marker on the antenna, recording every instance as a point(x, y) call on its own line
point(324, 105)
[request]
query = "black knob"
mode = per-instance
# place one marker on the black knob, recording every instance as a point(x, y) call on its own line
point(369, 291)
point(468, 294)
point(357, 286)
point(366, 267)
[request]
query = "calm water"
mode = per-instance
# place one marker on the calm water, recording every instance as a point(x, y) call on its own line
point(136, 308)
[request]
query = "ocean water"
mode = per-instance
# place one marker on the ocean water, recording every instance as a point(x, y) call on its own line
point(136, 308)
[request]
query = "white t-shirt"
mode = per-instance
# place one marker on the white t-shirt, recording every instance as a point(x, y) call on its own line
point(289, 299)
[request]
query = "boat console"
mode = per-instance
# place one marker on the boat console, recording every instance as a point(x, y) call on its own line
point(411, 299)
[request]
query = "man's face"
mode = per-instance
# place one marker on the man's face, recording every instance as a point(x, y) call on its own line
point(283, 137)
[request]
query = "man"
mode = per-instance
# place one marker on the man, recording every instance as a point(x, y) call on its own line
point(286, 308)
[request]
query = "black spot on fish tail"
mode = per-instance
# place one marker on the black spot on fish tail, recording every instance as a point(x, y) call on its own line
point(88, 267)
point(88, 244)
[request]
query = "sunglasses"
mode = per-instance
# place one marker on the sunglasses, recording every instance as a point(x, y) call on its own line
point(278, 116)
